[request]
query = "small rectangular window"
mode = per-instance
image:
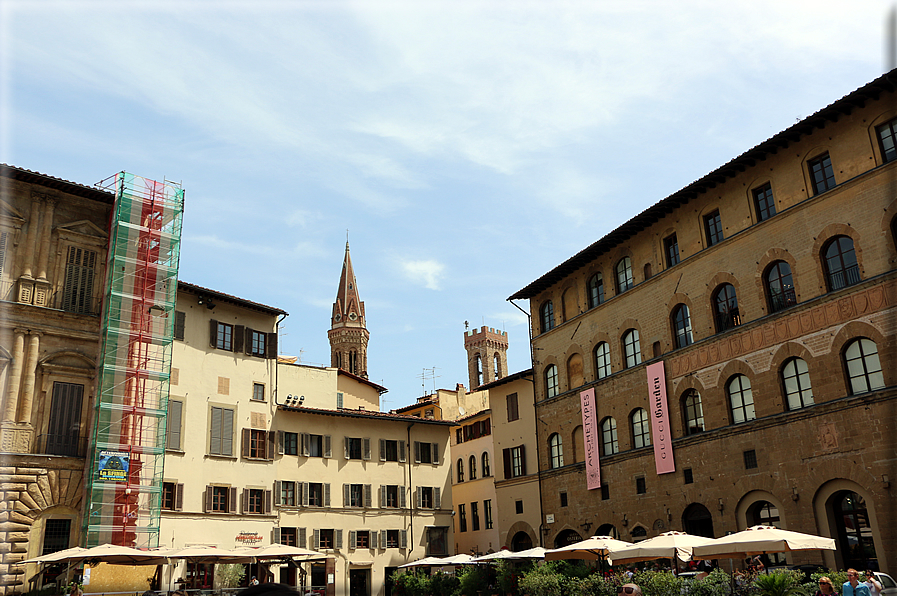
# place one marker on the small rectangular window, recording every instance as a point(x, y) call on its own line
point(288, 493)
point(221, 432)
point(671, 249)
point(605, 492)
point(77, 291)
point(315, 494)
point(713, 228)
point(513, 413)
point(290, 443)
point(392, 538)
point(255, 501)
point(640, 486)
point(169, 492)
point(563, 499)
point(688, 476)
point(339, 400)
point(487, 513)
point(257, 343)
point(750, 459)
point(258, 392)
point(475, 515)
point(887, 135)
point(56, 535)
point(518, 507)
point(180, 322)
point(462, 518)
point(764, 203)
point(173, 427)
point(821, 173)
point(225, 337)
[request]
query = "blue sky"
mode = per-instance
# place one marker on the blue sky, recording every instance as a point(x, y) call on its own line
point(468, 147)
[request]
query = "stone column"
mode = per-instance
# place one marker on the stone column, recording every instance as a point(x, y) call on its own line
point(46, 230)
point(15, 377)
point(31, 241)
point(30, 373)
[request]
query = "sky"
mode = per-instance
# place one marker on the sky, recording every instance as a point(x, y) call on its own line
point(465, 148)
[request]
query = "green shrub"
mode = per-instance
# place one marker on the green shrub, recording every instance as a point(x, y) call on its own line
point(659, 583)
point(780, 583)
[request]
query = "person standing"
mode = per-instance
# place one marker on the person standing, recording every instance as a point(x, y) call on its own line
point(853, 587)
point(872, 583)
point(825, 587)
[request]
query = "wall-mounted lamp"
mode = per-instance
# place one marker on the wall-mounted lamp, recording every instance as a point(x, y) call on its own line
point(625, 521)
point(669, 515)
point(720, 505)
point(586, 527)
point(794, 495)
point(885, 483)
point(294, 401)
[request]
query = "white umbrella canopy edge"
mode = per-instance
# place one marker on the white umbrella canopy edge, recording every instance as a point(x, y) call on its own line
point(592, 549)
point(425, 562)
point(664, 546)
point(59, 556)
point(758, 540)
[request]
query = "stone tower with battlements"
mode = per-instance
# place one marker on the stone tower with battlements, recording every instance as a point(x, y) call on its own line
point(348, 334)
point(487, 355)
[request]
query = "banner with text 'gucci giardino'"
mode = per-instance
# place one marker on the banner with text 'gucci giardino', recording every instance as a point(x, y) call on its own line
point(590, 438)
point(660, 419)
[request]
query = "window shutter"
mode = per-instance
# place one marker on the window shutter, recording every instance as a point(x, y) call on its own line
point(215, 432)
point(271, 346)
point(403, 500)
point(372, 539)
point(227, 432)
point(383, 539)
point(213, 333)
point(346, 495)
point(437, 501)
point(327, 495)
point(338, 538)
point(382, 495)
point(366, 448)
point(244, 444)
point(352, 540)
point(232, 500)
point(303, 444)
point(435, 457)
point(275, 536)
point(327, 452)
point(239, 336)
point(280, 442)
point(179, 497)
point(417, 495)
point(346, 447)
point(506, 456)
point(304, 490)
point(316, 539)
point(382, 449)
point(245, 504)
point(272, 445)
point(417, 452)
point(180, 319)
point(368, 497)
point(278, 485)
point(523, 460)
point(207, 501)
point(175, 409)
point(401, 451)
point(267, 501)
point(403, 539)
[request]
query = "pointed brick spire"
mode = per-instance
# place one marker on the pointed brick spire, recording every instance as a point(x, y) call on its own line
point(348, 334)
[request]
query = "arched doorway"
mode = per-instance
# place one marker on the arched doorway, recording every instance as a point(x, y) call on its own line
point(566, 537)
point(697, 521)
point(638, 534)
point(608, 530)
point(854, 534)
point(767, 514)
point(521, 541)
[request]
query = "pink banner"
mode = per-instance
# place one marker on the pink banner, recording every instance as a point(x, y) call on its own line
point(590, 438)
point(660, 419)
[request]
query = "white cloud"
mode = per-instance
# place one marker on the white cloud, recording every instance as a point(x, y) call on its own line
point(426, 272)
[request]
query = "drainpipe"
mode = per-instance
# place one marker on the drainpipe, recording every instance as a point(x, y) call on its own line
point(277, 331)
point(532, 357)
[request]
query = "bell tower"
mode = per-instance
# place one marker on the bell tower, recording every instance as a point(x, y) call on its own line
point(348, 335)
point(487, 355)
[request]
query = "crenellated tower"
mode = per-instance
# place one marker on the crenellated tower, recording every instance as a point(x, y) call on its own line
point(348, 335)
point(487, 355)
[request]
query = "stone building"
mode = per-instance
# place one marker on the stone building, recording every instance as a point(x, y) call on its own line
point(754, 312)
point(53, 238)
point(348, 333)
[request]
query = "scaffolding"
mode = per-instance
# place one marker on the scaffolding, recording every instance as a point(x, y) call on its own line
point(124, 483)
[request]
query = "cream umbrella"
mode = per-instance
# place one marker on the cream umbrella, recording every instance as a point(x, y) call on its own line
point(425, 562)
point(509, 555)
point(759, 540)
point(668, 545)
point(592, 549)
point(461, 559)
point(279, 551)
point(62, 555)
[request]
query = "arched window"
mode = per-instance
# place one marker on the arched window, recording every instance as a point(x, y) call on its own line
point(556, 451)
point(854, 540)
point(624, 274)
point(741, 399)
point(682, 326)
point(693, 411)
point(863, 366)
point(497, 362)
point(546, 316)
point(609, 436)
point(641, 432)
point(479, 370)
point(460, 470)
point(487, 471)
point(841, 269)
point(638, 534)
point(725, 308)
point(602, 360)
point(796, 380)
point(596, 290)
point(551, 381)
point(631, 348)
point(472, 467)
point(780, 287)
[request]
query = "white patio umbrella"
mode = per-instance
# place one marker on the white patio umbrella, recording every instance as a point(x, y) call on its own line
point(207, 554)
point(668, 545)
point(425, 562)
point(461, 559)
point(509, 555)
point(592, 549)
point(759, 540)
point(279, 551)
point(62, 555)
point(120, 555)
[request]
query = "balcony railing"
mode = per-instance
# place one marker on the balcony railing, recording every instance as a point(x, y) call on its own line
point(727, 320)
point(782, 299)
point(70, 445)
point(843, 278)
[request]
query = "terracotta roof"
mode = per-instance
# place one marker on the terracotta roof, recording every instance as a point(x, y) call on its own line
point(72, 188)
point(792, 134)
point(474, 415)
point(380, 388)
point(432, 401)
point(182, 285)
point(517, 375)
point(370, 414)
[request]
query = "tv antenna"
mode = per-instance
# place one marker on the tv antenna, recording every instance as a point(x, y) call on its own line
point(425, 375)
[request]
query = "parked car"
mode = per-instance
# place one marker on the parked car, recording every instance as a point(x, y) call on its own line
point(888, 585)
